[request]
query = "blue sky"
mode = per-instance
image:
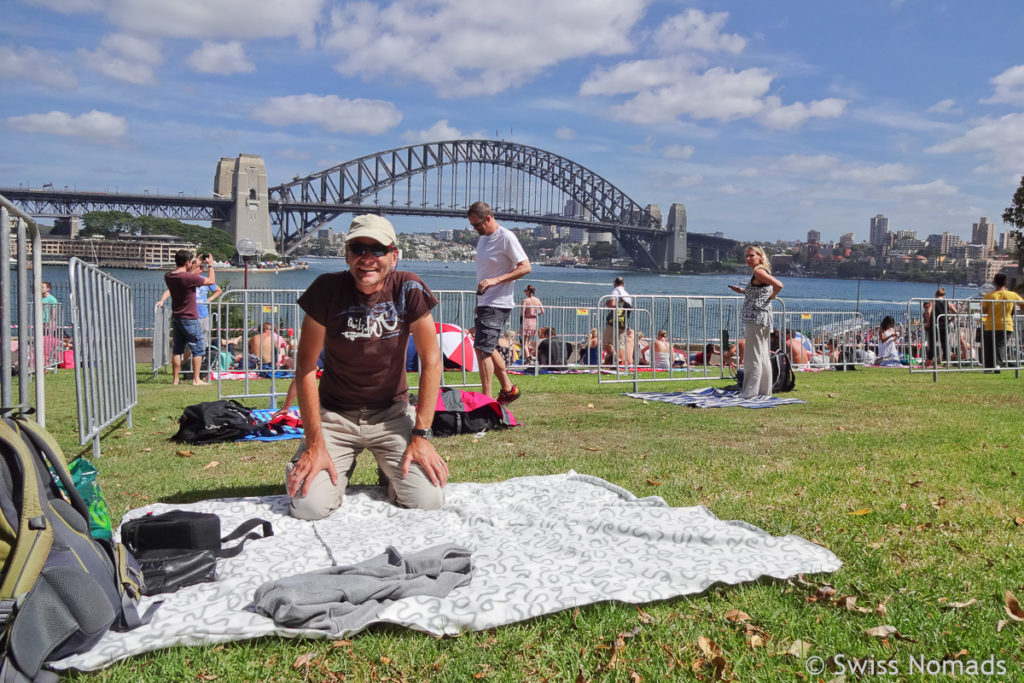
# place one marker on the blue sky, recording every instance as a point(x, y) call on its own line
point(766, 119)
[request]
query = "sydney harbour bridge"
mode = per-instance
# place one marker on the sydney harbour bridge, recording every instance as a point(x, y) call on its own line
point(522, 184)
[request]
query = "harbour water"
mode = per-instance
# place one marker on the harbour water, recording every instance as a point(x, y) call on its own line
point(565, 283)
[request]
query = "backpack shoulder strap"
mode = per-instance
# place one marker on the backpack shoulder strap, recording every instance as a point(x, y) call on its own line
point(34, 536)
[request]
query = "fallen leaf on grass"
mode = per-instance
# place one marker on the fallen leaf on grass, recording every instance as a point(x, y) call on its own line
point(645, 618)
point(210, 465)
point(341, 643)
point(915, 484)
point(713, 656)
point(755, 642)
point(861, 512)
point(247, 458)
point(653, 482)
point(736, 616)
point(590, 405)
point(960, 605)
point(799, 649)
point(207, 677)
point(634, 677)
point(832, 395)
point(1018, 520)
point(590, 448)
point(849, 603)
point(1012, 607)
point(147, 450)
point(887, 632)
point(184, 454)
point(303, 660)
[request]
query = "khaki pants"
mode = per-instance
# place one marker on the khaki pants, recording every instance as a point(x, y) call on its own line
point(385, 433)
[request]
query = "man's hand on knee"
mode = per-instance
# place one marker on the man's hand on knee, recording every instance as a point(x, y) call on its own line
point(312, 461)
point(422, 452)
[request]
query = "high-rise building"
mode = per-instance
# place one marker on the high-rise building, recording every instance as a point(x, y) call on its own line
point(813, 236)
point(984, 232)
point(879, 235)
point(846, 240)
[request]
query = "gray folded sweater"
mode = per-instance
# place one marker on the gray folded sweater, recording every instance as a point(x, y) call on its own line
point(341, 600)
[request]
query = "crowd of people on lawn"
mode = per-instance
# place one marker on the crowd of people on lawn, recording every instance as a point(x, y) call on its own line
point(350, 371)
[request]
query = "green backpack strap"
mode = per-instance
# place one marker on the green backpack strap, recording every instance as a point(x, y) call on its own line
point(128, 573)
point(34, 535)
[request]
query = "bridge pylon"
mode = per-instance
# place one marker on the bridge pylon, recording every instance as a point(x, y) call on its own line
point(244, 180)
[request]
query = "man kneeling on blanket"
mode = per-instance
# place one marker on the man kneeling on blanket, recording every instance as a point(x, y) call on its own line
point(362, 319)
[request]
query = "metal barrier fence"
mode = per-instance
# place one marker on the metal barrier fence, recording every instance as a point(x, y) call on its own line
point(161, 317)
point(30, 345)
point(825, 338)
point(691, 325)
point(253, 335)
point(968, 337)
point(104, 326)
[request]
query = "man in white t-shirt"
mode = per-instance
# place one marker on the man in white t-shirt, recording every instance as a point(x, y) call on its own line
point(500, 260)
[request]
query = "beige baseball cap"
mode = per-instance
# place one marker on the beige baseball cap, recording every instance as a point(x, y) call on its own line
point(373, 226)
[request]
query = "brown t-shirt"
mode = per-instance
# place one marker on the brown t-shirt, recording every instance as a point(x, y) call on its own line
point(182, 286)
point(365, 337)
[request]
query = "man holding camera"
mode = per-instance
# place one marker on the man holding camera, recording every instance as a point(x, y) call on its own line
point(185, 326)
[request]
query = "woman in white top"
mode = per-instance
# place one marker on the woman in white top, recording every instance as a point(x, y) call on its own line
point(757, 323)
point(887, 336)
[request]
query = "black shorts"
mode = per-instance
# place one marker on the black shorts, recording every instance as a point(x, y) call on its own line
point(489, 323)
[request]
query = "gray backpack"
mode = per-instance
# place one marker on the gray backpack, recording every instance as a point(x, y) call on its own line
point(61, 589)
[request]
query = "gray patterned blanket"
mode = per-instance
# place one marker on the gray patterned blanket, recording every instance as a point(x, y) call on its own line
point(539, 545)
point(713, 398)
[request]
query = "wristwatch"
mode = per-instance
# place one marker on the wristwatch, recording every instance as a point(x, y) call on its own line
point(427, 433)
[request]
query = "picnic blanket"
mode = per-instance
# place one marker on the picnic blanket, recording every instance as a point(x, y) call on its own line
point(538, 545)
point(713, 398)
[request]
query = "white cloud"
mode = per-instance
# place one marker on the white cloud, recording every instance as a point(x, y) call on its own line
point(639, 75)
point(463, 47)
point(936, 188)
point(1009, 87)
point(438, 132)
point(788, 117)
point(945, 106)
point(680, 84)
point(828, 167)
point(68, 6)
point(331, 113)
point(1001, 140)
point(817, 164)
point(218, 20)
point(719, 93)
point(563, 133)
point(696, 30)
point(31, 64)
point(688, 181)
point(220, 58)
point(677, 152)
point(900, 120)
point(98, 125)
point(292, 153)
point(126, 58)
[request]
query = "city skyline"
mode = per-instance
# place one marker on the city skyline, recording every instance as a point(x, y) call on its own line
point(765, 121)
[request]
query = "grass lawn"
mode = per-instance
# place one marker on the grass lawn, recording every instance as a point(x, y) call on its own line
point(915, 485)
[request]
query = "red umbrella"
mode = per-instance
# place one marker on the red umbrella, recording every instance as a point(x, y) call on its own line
point(456, 346)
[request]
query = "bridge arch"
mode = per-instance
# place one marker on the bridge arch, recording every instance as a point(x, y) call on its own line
point(521, 183)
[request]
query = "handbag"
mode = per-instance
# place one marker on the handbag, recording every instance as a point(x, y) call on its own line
point(180, 548)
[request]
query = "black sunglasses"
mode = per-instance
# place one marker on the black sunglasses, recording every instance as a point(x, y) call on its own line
point(378, 250)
